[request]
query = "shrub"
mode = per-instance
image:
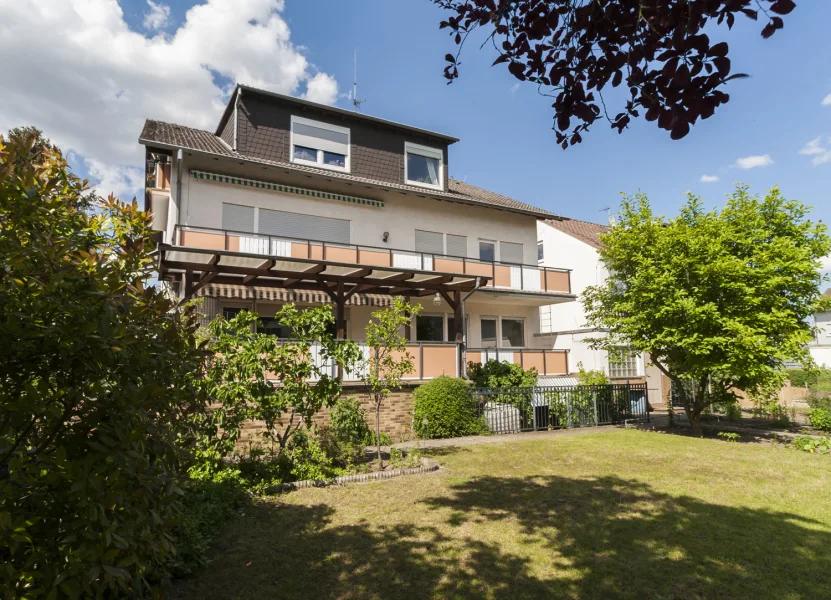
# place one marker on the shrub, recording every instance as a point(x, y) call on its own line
point(801, 377)
point(96, 391)
point(813, 445)
point(495, 374)
point(820, 418)
point(732, 411)
point(591, 376)
point(207, 504)
point(443, 408)
point(729, 436)
point(815, 401)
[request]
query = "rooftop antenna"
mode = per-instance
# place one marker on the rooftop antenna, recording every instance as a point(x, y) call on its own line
point(609, 216)
point(355, 102)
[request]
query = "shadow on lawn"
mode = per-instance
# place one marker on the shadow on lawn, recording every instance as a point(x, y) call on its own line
point(598, 538)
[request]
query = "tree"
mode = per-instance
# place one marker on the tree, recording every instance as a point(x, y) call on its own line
point(96, 388)
point(255, 376)
point(719, 299)
point(573, 49)
point(388, 360)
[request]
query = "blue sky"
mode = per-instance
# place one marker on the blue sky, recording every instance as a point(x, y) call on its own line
point(507, 144)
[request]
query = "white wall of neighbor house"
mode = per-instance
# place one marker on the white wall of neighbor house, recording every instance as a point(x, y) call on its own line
point(402, 215)
point(564, 251)
point(821, 355)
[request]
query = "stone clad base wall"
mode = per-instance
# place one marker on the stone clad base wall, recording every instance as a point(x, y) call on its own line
point(396, 414)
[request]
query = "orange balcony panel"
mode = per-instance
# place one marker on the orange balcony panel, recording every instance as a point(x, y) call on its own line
point(556, 363)
point(208, 241)
point(449, 265)
point(533, 359)
point(299, 250)
point(341, 255)
point(439, 360)
point(316, 252)
point(474, 357)
point(374, 258)
point(502, 276)
point(412, 350)
point(555, 281)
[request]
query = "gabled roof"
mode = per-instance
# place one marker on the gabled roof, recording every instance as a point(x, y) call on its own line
point(171, 136)
point(581, 230)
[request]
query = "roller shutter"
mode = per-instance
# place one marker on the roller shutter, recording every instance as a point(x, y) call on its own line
point(236, 217)
point(429, 242)
point(305, 227)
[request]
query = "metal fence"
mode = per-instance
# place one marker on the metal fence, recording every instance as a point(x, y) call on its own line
point(512, 410)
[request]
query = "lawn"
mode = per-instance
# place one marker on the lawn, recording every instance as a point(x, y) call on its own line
point(619, 514)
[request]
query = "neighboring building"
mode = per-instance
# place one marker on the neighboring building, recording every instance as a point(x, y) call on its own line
point(292, 201)
point(820, 348)
point(574, 244)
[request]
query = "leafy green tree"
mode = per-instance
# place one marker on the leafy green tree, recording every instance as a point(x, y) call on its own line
point(719, 298)
point(388, 360)
point(591, 376)
point(255, 376)
point(500, 374)
point(95, 387)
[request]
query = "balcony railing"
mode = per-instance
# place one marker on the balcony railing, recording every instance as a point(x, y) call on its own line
point(434, 359)
point(504, 275)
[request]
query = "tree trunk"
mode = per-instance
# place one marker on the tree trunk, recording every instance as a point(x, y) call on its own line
point(378, 429)
point(695, 423)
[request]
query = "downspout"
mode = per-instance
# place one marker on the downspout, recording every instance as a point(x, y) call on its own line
point(236, 118)
point(180, 155)
point(478, 285)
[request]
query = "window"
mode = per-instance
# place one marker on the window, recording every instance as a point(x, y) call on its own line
point(429, 242)
point(423, 166)
point(429, 328)
point(623, 363)
point(451, 324)
point(319, 144)
point(307, 227)
point(230, 313)
point(487, 251)
point(510, 253)
point(236, 217)
point(271, 326)
point(513, 333)
point(540, 252)
point(432, 242)
point(488, 332)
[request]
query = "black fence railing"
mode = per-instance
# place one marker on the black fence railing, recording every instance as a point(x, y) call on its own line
point(512, 410)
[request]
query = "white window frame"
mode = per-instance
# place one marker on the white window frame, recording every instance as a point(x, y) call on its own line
point(319, 162)
point(540, 244)
point(498, 329)
point(426, 152)
point(495, 245)
point(524, 333)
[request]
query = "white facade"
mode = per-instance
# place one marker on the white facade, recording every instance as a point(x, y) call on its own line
point(820, 349)
point(563, 326)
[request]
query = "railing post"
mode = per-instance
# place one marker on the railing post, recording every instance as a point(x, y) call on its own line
point(544, 366)
point(545, 278)
point(226, 240)
point(594, 398)
point(521, 278)
point(421, 360)
point(309, 249)
point(323, 245)
point(493, 273)
point(533, 408)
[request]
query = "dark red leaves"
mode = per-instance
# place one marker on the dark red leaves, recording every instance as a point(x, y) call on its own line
point(573, 48)
point(783, 7)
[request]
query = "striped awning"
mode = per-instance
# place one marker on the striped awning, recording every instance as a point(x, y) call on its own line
point(288, 189)
point(242, 292)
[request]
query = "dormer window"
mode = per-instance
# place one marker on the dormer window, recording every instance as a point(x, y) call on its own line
point(319, 144)
point(423, 166)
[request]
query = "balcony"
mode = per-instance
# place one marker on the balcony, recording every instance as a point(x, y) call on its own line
point(434, 359)
point(502, 275)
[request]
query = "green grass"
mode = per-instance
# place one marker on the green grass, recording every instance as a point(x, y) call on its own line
point(621, 514)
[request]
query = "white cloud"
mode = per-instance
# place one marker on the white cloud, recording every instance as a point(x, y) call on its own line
point(156, 18)
point(89, 81)
point(821, 153)
point(322, 88)
point(123, 181)
point(709, 178)
point(813, 147)
point(827, 100)
point(752, 162)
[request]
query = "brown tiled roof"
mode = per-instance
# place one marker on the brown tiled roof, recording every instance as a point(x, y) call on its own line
point(827, 293)
point(582, 230)
point(178, 136)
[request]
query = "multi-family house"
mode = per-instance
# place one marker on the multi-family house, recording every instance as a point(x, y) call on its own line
point(820, 347)
point(293, 201)
point(575, 244)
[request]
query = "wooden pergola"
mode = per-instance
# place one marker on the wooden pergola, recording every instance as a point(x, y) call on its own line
point(196, 268)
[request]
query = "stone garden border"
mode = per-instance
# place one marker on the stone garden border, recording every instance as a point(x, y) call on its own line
point(427, 466)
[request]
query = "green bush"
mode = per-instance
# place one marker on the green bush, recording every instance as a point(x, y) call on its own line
point(443, 408)
point(495, 374)
point(729, 436)
point(813, 445)
point(97, 393)
point(208, 503)
point(815, 401)
point(820, 418)
point(801, 377)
